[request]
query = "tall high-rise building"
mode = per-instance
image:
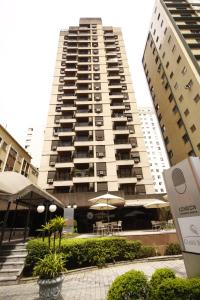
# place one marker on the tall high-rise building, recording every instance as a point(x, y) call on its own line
point(93, 140)
point(172, 66)
point(155, 148)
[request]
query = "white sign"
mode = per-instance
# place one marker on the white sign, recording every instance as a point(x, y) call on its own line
point(190, 231)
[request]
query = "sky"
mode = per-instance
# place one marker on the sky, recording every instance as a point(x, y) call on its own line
point(29, 33)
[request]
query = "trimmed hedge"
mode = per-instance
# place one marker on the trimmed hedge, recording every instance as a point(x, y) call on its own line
point(157, 278)
point(173, 249)
point(89, 252)
point(132, 285)
point(163, 285)
point(174, 289)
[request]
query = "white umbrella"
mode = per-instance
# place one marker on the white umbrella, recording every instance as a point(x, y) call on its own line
point(157, 204)
point(102, 206)
point(108, 198)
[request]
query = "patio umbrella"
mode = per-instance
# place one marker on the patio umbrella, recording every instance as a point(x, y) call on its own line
point(108, 199)
point(157, 204)
point(102, 206)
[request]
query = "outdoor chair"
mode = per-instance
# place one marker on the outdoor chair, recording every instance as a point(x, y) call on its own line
point(101, 228)
point(117, 226)
point(156, 225)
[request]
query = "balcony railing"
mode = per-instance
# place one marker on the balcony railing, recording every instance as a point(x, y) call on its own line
point(64, 176)
point(121, 141)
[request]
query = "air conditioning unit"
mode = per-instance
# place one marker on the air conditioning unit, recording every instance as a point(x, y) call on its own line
point(101, 173)
point(97, 87)
point(100, 154)
point(97, 98)
point(98, 110)
point(99, 138)
point(139, 177)
point(50, 181)
point(55, 133)
point(89, 77)
point(136, 160)
point(134, 145)
point(52, 163)
point(54, 148)
point(131, 131)
point(99, 123)
point(57, 121)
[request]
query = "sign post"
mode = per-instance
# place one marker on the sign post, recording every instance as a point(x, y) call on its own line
point(183, 189)
point(69, 220)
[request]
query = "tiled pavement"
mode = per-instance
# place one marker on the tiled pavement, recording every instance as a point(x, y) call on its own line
point(89, 284)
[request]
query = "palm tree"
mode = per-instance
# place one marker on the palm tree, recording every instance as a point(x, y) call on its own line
point(57, 225)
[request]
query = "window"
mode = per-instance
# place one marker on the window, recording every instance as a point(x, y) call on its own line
point(158, 16)
point(171, 75)
point(4, 146)
point(166, 140)
point(167, 64)
point(180, 123)
point(157, 39)
point(198, 146)
point(169, 39)
point(175, 109)
point(197, 98)
point(185, 138)
point(189, 85)
point(154, 32)
point(165, 30)
point(161, 23)
point(184, 70)
point(193, 128)
point(170, 154)
point(176, 86)
point(173, 49)
point(163, 55)
point(180, 98)
point(178, 59)
point(186, 112)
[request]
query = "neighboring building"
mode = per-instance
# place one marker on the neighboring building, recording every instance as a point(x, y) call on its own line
point(172, 65)
point(13, 157)
point(155, 148)
point(93, 139)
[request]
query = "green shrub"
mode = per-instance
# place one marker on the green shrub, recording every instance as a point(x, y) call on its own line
point(194, 288)
point(146, 251)
point(88, 252)
point(173, 249)
point(49, 267)
point(157, 278)
point(37, 249)
point(129, 286)
point(174, 289)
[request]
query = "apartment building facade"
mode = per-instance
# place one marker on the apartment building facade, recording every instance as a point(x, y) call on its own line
point(158, 159)
point(13, 157)
point(93, 140)
point(171, 63)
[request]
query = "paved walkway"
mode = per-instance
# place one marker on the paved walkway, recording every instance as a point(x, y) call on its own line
point(89, 284)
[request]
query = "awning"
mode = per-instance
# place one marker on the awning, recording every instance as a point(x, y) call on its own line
point(139, 202)
point(15, 186)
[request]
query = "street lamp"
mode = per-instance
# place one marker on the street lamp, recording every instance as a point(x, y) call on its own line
point(72, 206)
point(41, 208)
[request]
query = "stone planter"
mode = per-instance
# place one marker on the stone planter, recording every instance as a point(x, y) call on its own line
point(50, 289)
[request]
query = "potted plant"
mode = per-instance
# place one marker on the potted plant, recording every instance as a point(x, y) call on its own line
point(50, 270)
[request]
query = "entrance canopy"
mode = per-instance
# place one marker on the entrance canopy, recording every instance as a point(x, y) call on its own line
point(14, 186)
